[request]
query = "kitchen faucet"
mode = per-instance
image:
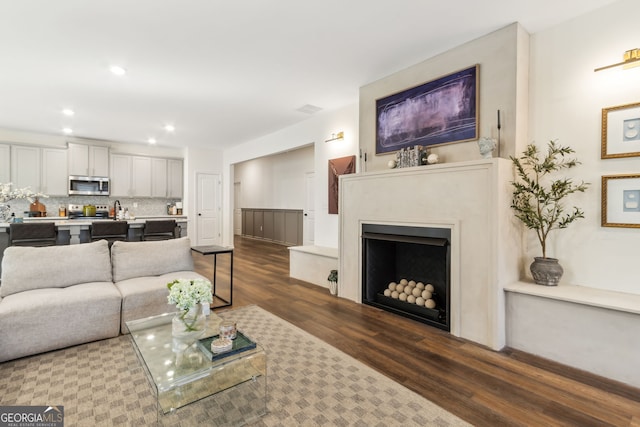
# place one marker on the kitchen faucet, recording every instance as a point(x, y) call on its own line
point(115, 211)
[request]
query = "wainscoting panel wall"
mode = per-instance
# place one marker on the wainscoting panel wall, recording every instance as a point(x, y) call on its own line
point(283, 226)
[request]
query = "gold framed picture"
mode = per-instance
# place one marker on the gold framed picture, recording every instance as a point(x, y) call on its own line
point(621, 131)
point(621, 201)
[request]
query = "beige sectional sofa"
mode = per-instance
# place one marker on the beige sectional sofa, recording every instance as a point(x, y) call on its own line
point(59, 296)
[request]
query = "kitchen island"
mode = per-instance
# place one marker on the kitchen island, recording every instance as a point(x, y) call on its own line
point(76, 231)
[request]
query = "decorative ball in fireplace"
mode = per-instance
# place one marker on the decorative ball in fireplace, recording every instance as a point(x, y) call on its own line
point(411, 292)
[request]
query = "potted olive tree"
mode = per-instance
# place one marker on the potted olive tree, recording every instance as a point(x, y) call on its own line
point(537, 201)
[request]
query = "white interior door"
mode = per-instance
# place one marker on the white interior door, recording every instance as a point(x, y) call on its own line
point(208, 209)
point(308, 223)
point(237, 209)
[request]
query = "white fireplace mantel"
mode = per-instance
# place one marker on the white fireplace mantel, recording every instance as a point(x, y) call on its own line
point(470, 198)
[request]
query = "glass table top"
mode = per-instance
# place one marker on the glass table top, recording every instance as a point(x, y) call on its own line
point(172, 363)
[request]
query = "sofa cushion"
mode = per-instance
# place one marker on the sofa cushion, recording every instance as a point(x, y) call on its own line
point(138, 259)
point(47, 319)
point(27, 268)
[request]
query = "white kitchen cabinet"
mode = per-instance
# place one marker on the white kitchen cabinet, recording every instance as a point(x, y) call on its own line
point(89, 160)
point(158, 177)
point(120, 175)
point(78, 159)
point(174, 178)
point(43, 170)
point(141, 176)
point(130, 176)
point(25, 167)
point(54, 179)
point(99, 160)
point(5, 163)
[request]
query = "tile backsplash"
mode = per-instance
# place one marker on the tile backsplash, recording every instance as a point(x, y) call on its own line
point(144, 206)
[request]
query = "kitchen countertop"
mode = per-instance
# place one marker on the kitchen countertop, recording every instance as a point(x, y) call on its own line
point(65, 221)
point(176, 217)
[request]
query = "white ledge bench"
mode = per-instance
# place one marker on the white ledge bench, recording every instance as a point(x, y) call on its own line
point(592, 329)
point(312, 263)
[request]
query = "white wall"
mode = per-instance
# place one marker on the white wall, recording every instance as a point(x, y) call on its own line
point(314, 130)
point(567, 97)
point(197, 160)
point(326, 225)
point(275, 182)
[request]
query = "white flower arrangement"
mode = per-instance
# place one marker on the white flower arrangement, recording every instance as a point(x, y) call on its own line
point(7, 194)
point(186, 293)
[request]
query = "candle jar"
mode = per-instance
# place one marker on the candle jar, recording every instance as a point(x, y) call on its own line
point(228, 329)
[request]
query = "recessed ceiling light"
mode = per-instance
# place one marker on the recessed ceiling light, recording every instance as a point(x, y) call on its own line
point(67, 130)
point(151, 140)
point(68, 112)
point(169, 128)
point(118, 70)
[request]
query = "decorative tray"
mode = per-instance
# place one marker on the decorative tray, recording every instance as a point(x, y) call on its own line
point(240, 344)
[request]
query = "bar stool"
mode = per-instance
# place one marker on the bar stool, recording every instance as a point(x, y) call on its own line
point(110, 231)
point(33, 234)
point(160, 230)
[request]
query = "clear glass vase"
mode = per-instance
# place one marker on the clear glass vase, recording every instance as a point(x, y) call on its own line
point(189, 326)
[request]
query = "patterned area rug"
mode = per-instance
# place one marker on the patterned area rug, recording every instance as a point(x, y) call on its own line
point(309, 383)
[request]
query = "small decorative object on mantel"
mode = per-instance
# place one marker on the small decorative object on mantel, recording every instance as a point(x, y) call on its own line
point(486, 146)
point(411, 157)
point(333, 282)
point(537, 202)
point(187, 294)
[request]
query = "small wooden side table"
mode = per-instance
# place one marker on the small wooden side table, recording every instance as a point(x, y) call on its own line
point(215, 250)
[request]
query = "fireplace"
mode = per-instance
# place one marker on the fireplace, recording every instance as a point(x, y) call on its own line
point(469, 199)
point(407, 270)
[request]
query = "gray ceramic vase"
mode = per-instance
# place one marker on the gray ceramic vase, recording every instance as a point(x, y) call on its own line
point(546, 271)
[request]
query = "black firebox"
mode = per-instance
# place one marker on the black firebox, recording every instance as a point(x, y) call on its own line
point(400, 263)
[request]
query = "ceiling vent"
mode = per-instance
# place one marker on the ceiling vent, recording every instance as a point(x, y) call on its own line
point(309, 109)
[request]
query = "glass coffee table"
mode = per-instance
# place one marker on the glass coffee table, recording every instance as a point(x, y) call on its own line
point(181, 373)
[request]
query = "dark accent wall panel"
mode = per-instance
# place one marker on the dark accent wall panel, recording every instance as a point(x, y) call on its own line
point(283, 226)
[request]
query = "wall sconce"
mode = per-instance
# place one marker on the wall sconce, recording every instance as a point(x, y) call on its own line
point(335, 137)
point(631, 58)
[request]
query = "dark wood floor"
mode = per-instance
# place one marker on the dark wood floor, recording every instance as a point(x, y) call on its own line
point(483, 387)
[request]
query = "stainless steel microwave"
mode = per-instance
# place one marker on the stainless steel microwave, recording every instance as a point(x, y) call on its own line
point(88, 185)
